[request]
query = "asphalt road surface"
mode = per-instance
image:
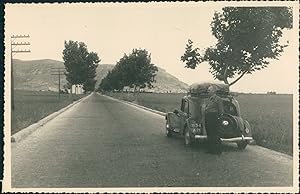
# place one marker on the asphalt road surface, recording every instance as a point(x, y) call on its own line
point(102, 142)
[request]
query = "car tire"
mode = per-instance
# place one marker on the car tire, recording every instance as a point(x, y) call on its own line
point(188, 140)
point(242, 145)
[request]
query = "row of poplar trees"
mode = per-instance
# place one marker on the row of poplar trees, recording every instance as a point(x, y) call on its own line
point(134, 70)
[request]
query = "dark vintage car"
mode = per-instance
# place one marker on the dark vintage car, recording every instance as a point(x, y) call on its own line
point(189, 121)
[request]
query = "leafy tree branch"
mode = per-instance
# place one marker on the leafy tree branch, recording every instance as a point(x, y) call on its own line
point(247, 39)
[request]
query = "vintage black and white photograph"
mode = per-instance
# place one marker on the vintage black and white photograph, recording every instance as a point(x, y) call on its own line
point(151, 97)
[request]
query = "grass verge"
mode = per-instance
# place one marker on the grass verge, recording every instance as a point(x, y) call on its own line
point(32, 106)
point(270, 116)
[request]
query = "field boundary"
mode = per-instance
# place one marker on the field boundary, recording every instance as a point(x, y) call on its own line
point(23, 133)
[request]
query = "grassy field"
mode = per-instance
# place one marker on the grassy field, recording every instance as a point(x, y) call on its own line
point(32, 106)
point(270, 116)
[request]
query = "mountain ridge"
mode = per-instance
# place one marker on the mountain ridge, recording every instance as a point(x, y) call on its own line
point(36, 75)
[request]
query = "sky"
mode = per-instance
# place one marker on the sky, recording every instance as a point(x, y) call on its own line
point(112, 29)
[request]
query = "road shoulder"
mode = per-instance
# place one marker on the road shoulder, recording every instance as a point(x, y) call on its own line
point(23, 133)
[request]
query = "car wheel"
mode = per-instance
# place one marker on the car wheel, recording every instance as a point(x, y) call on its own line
point(242, 145)
point(187, 138)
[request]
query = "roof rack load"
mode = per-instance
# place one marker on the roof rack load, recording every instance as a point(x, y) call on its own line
point(201, 89)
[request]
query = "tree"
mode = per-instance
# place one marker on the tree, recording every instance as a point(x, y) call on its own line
point(105, 83)
point(141, 69)
point(80, 64)
point(247, 38)
point(134, 70)
point(191, 56)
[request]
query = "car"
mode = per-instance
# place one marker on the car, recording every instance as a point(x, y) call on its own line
point(189, 121)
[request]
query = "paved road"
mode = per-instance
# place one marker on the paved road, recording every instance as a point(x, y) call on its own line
point(101, 142)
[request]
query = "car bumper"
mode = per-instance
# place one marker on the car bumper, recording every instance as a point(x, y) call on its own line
point(234, 139)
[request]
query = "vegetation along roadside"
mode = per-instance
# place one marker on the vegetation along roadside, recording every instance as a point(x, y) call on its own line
point(32, 106)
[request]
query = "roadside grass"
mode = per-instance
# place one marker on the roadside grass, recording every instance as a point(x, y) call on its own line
point(270, 116)
point(271, 119)
point(32, 106)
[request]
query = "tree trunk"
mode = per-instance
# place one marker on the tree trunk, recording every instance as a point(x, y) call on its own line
point(225, 75)
point(226, 81)
point(70, 95)
point(134, 90)
point(137, 94)
point(139, 89)
point(238, 78)
point(121, 97)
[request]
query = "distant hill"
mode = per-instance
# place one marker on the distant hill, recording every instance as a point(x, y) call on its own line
point(166, 82)
point(36, 75)
point(102, 71)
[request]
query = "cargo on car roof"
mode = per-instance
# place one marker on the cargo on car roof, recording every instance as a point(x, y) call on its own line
point(202, 88)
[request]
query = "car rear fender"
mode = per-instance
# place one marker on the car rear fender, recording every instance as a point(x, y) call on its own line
point(247, 126)
point(173, 120)
point(242, 125)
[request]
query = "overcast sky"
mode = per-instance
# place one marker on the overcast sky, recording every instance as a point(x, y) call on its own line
point(162, 28)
